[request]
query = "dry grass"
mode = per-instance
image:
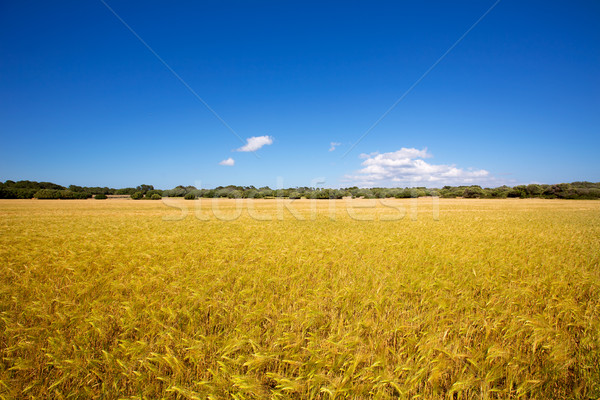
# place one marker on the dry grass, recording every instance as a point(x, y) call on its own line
point(106, 299)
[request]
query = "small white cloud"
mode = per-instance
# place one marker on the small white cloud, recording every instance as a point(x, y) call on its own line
point(406, 166)
point(255, 142)
point(334, 145)
point(401, 154)
point(230, 162)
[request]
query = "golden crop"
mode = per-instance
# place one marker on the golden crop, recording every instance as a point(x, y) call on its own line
point(495, 299)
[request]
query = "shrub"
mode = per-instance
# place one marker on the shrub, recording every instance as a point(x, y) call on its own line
point(155, 196)
point(473, 192)
point(16, 193)
point(403, 194)
point(48, 194)
point(534, 190)
point(68, 194)
point(176, 192)
point(190, 196)
point(100, 196)
point(137, 196)
point(45, 194)
point(128, 191)
point(234, 194)
point(500, 192)
point(336, 194)
point(79, 195)
point(152, 192)
point(518, 191)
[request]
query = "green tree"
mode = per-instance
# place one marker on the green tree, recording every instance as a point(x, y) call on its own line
point(151, 193)
point(46, 194)
point(473, 192)
point(123, 191)
point(144, 188)
point(518, 191)
point(534, 190)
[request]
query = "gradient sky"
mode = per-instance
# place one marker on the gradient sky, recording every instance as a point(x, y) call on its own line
point(83, 101)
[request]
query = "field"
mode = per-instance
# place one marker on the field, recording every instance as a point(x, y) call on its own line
point(463, 299)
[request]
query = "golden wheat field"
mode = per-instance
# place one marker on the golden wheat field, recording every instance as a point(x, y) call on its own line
point(438, 299)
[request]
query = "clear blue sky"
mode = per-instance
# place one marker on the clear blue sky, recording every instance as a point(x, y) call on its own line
point(83, 101)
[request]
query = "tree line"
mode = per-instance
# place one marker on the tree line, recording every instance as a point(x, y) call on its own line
point(47, 190)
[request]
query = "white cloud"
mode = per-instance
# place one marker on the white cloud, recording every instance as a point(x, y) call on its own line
point(407, 167)
point(334, 145)
point(230, 162)
point(255, 142)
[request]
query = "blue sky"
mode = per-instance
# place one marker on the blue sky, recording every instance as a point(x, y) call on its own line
point(83, 101)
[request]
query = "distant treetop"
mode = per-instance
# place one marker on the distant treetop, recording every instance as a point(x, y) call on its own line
point(31, 189)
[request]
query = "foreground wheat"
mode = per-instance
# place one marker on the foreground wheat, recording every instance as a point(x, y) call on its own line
point(496, 299)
